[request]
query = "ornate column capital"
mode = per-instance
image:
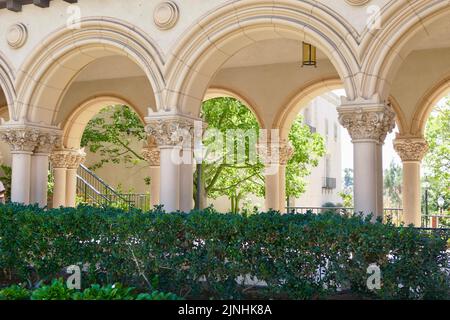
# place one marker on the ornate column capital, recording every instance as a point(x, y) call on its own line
point(367, 119)
point(411, 149)
point(152, 156)
point(29, 138)
point(67, 158)
point(171, 129)
point(275, 153)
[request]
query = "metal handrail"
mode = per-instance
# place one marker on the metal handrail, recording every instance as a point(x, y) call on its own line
point(92, 189)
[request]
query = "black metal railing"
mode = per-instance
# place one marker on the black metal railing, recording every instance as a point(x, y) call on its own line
point(91, 189)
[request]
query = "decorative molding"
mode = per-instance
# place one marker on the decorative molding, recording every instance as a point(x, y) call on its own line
point(357, 2)
point(166, 15)
point(152, 156)
point(275, 153)
point(366, 120)
point(67, 158)
point(17, 35)
point(411, 149)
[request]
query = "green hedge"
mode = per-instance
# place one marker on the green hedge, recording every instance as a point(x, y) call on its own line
point(201, 254)
point(58, 290)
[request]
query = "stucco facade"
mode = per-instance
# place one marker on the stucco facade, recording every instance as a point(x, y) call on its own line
point(59, 64)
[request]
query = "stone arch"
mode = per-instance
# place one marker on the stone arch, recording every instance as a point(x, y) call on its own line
point(232, 27)
point(216, 92)
point(426, 104)
point(48, 72)
point(78, 120)
point(7, 77)
point(295, 103)
point(386, 49)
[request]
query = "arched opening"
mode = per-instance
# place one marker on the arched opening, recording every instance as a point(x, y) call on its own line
point(79, 73)
point(259, 49)
point(435, 168)
point(230, 176)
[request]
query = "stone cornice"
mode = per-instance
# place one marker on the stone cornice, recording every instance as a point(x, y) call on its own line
point(411, 149)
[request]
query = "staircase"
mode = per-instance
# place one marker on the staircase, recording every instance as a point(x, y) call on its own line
point(92, 190)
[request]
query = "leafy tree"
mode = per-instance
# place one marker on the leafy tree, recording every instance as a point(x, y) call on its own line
point(111, 135)
point(238, 180)
point(225, 176)
point(437, 161)
point(393, 185)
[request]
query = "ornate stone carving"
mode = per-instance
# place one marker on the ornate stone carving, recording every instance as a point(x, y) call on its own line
point(411, 149)
point(368, 123)
point(48, 141)
point(152, 156)
point(275, 153)
point(166, 15)
point(17, 35)
point(171, 131)
point(20, 138)
point(67, 158)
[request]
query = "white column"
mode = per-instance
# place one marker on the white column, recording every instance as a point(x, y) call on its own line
point(275, 155)
point(170, 178)
point(21, 177)
point(380, 181)
point(39, 179)
point(59, 188)
point(65, 163)
point(155, 177)
point(411, 151)
point(152, 155)
point(71, 187)
point(187, 181)
point(172, 133)
point(273, 191)
point(368, 122)
point(283, 199)
point(365, 176)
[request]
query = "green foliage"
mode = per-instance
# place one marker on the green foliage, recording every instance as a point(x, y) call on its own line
point(238, 180)
point(308, 149)
point(6, 173)
point(109, 292)
point(225, 175)
point(437, 161)
point(14, 292)
point(393, 177)
point(57, 290)
point(157, 295)
point(201, 254)
point(111, 135)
